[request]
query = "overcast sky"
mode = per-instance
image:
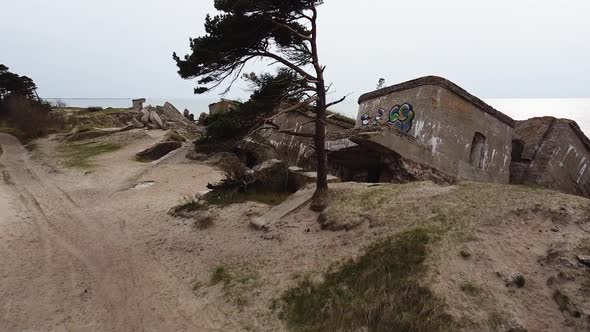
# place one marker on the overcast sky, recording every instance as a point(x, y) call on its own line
point(116, 48)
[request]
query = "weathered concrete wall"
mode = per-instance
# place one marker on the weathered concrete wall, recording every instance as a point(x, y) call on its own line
point(441, 120)
point(556, 155)
point(222, 106)
point(298, 151)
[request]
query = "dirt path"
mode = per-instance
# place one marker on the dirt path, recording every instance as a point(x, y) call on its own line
point(69, 264)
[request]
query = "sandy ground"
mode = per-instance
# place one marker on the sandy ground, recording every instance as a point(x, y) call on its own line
point(70, 260)
point(92, 251)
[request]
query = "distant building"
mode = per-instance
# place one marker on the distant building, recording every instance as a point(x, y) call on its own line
point(223, 106)
point(138, 104)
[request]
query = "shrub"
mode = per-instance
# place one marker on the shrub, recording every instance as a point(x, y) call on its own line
point(93, 109)
point(224, 126)
point(31, 118)
point(237, 175)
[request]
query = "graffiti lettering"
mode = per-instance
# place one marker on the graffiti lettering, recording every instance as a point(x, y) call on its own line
point(365, 119)
point(400, 117)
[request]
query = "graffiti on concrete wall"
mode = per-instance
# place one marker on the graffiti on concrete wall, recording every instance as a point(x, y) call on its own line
point(400, 117)
point(365, 119)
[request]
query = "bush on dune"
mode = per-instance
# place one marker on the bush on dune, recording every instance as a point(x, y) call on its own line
point(22, 112)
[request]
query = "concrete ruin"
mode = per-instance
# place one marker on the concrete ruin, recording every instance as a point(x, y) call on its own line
point(297, 150)
point(223, 106)
point(163, 117)
point(138, 104)
point(553, 153)
point(431, 129)
point(428, 123)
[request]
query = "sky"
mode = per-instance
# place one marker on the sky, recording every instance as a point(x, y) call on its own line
point(123, 48)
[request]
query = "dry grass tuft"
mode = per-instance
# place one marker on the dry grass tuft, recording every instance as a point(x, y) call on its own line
point(79, 155)
point(380, 292)
point(238, 283)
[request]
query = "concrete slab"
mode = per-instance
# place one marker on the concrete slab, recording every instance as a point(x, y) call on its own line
point(294, 202)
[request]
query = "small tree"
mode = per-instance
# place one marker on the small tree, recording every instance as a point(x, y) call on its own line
point(21, 107)
point(15, 85)
point(282, 31)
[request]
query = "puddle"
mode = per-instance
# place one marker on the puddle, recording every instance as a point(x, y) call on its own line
point(143, 185)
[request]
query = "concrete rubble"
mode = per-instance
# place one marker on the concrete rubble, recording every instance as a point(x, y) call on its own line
point(164, 117)
point(148, 117)
point(158, 151)
point(299, 178)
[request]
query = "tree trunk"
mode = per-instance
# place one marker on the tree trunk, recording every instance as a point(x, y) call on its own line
point(320, 196)
point(319, 201)
point(320, 142)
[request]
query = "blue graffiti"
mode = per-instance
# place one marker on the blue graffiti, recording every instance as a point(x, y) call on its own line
point(402, 117)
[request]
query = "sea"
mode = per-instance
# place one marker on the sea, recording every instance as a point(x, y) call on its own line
point(577, 109)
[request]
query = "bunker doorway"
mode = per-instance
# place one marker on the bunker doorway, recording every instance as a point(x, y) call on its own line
point(478, 150)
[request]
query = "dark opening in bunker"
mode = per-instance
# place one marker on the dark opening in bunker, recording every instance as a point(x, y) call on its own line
point(517, 150)
point(357, 164)
point(478, 149)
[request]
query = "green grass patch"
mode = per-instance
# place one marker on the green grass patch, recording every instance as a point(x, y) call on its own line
point(97, 111)
point(80, 155)
point(238, 283)
point(224, 198)
point(379, 291)
point(220, 274)
point(90, 110)
point(469, 287)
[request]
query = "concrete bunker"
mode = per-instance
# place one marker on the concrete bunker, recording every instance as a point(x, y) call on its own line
point(554, 153)
point(433, 123)
point(138, 104)
point(431, 129)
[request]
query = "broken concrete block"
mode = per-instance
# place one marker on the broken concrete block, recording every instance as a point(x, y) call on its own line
point(259, 223)
point(126, 128)
point(271, 175)
point(155, 119)
point(299, 179)
point(136, 123)
point(145, 115)
point(584, 259)
point(171, 112)
point(158, 151)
